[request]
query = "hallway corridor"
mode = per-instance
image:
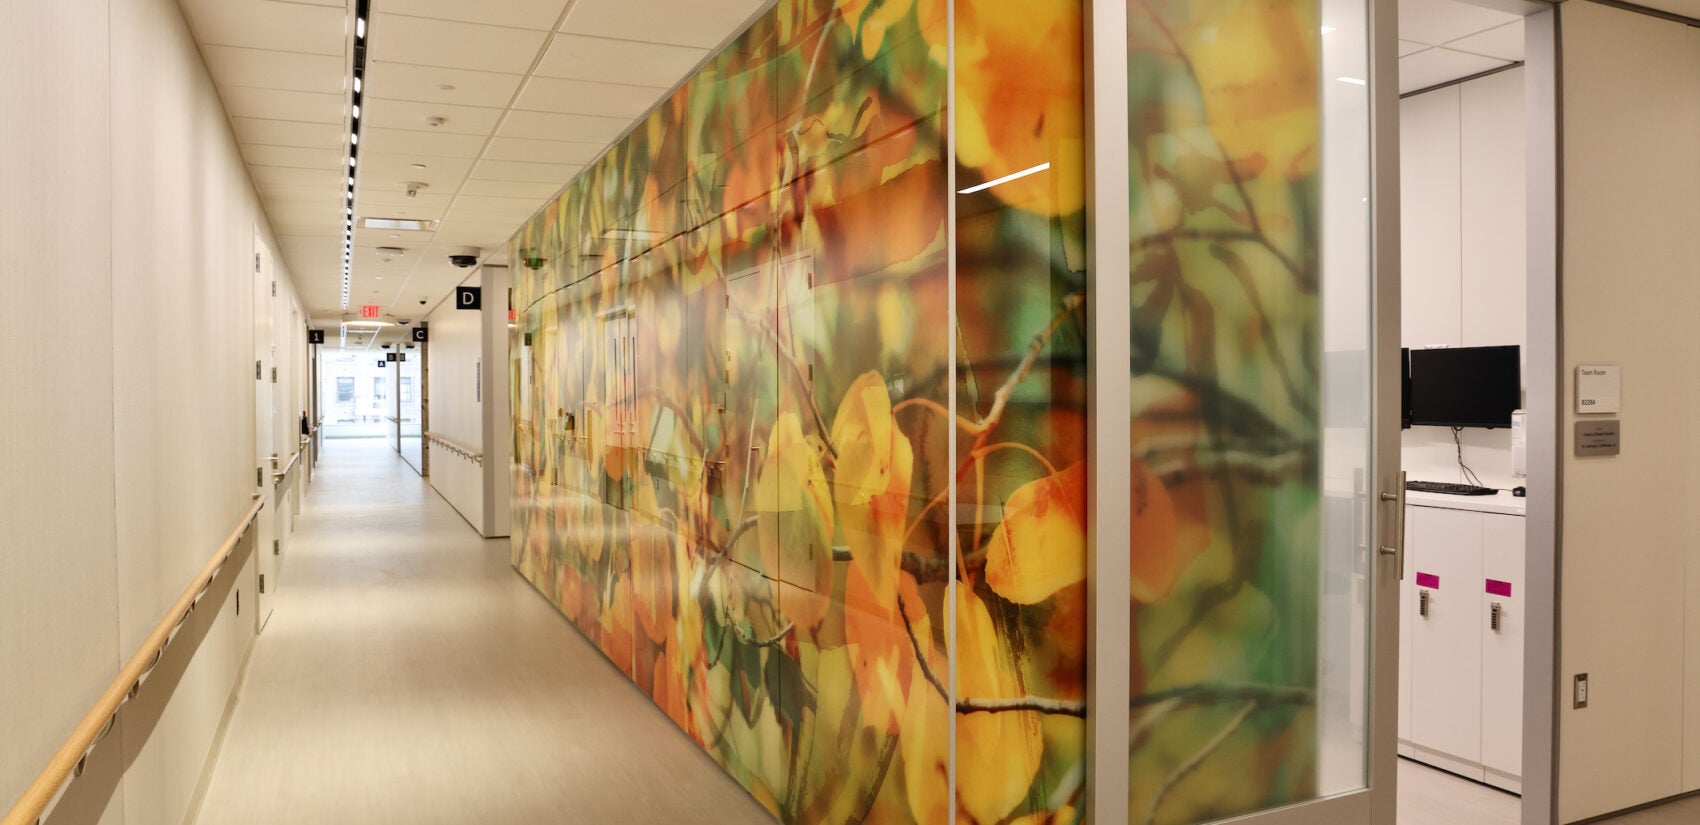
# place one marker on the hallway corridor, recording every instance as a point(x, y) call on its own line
point(409, 676)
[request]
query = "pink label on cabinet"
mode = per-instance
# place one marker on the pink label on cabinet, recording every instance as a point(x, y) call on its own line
point(1495, 587)
point(1428, 580)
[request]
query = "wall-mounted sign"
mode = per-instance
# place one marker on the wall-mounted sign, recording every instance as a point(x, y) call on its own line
point(315, 336)
point(382, 363)
point(1598, 438)
point(401, 356)
point(1599, 389)
point(370, 310)
point(389, 356)
point(421, 335)
point(468, 297)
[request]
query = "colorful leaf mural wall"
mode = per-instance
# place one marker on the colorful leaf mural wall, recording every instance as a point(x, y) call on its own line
point(1224, 170)
point(800, 437)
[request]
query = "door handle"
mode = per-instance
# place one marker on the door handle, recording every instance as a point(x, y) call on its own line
point(1397, 548)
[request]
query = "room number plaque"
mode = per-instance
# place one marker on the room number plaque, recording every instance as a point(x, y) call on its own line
point(1597, 438)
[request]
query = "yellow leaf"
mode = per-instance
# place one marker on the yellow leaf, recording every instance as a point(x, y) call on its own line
point(870, 483)
point(1040, 546)
point(998, 754)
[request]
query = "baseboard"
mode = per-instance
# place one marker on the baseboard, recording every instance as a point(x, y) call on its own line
point(193, 814)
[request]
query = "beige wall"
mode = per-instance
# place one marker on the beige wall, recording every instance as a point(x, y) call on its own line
point(58, 585)
point(479, 418)
point(1631, 296)
point(126, 246)
point(456, 347)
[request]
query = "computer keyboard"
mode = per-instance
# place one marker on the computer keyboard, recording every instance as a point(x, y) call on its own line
point(1449, 489)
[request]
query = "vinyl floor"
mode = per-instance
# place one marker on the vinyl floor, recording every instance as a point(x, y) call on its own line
point(408, 675)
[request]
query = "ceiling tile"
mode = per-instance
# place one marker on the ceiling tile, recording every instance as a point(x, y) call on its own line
point(425, 42)
point(1504, 42)
point(1438, 21)
point(558, 173)
point(288, 133)
point(400, 81)
point(300, 192)
point(380, 210)
point(1687, 8)
point(403, 141)
point(407, 114)
point(263, 24)
point(703, 23)
point(551, 126)
point(1439, 65)
point(584, 97)
point(538, 190)
point(294, 156)
point(327, 179)
point(282, 104)
point(618, 61)
point(378, 169)
point(482, 235)
point(524, 14)
point(267, 69)
point(370, 198)
point(543, 151)
point(410, 238)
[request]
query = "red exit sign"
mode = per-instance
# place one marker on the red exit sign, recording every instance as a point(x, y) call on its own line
point(368, 310)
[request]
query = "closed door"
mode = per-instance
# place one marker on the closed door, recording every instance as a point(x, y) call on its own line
point(266, 455)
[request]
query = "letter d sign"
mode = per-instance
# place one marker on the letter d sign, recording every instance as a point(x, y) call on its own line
point(468, 297)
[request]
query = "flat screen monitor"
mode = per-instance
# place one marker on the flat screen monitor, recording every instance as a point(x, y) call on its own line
point(1465, 386)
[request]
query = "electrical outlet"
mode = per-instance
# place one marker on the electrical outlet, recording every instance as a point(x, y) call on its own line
point(1580, 698)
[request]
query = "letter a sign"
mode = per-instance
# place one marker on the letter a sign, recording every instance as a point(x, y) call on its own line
point(468, 297)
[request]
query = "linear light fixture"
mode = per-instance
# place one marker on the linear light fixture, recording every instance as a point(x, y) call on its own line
point(1006, 179)
point(362, 10)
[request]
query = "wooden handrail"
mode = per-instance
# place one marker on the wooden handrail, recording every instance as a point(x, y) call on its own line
point(67, 762)
point(278, 477)
point(456, 447)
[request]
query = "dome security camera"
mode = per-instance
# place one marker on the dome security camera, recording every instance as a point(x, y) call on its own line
point(406, 322)
point(465, 257)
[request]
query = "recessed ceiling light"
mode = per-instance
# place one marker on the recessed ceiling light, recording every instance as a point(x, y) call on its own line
point(416, 165)
point(396, 223)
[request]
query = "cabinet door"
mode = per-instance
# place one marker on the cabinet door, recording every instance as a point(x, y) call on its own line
point(1446, 645)
point(1502, 650)
point(1407, 623)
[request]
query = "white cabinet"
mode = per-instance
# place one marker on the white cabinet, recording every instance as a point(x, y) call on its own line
point(1502, 651)
point(1461, 676)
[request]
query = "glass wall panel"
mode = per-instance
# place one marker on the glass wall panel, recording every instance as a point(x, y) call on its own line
point(720, 324)
point(1020, 385)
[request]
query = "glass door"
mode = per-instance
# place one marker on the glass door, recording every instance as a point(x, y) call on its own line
point(1262, 410)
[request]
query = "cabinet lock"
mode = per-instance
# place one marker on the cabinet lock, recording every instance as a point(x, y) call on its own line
point(1493, 616)
point(1422, 603)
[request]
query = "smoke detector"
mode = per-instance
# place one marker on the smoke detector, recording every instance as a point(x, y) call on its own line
point(434, 121)
point(412, 188)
